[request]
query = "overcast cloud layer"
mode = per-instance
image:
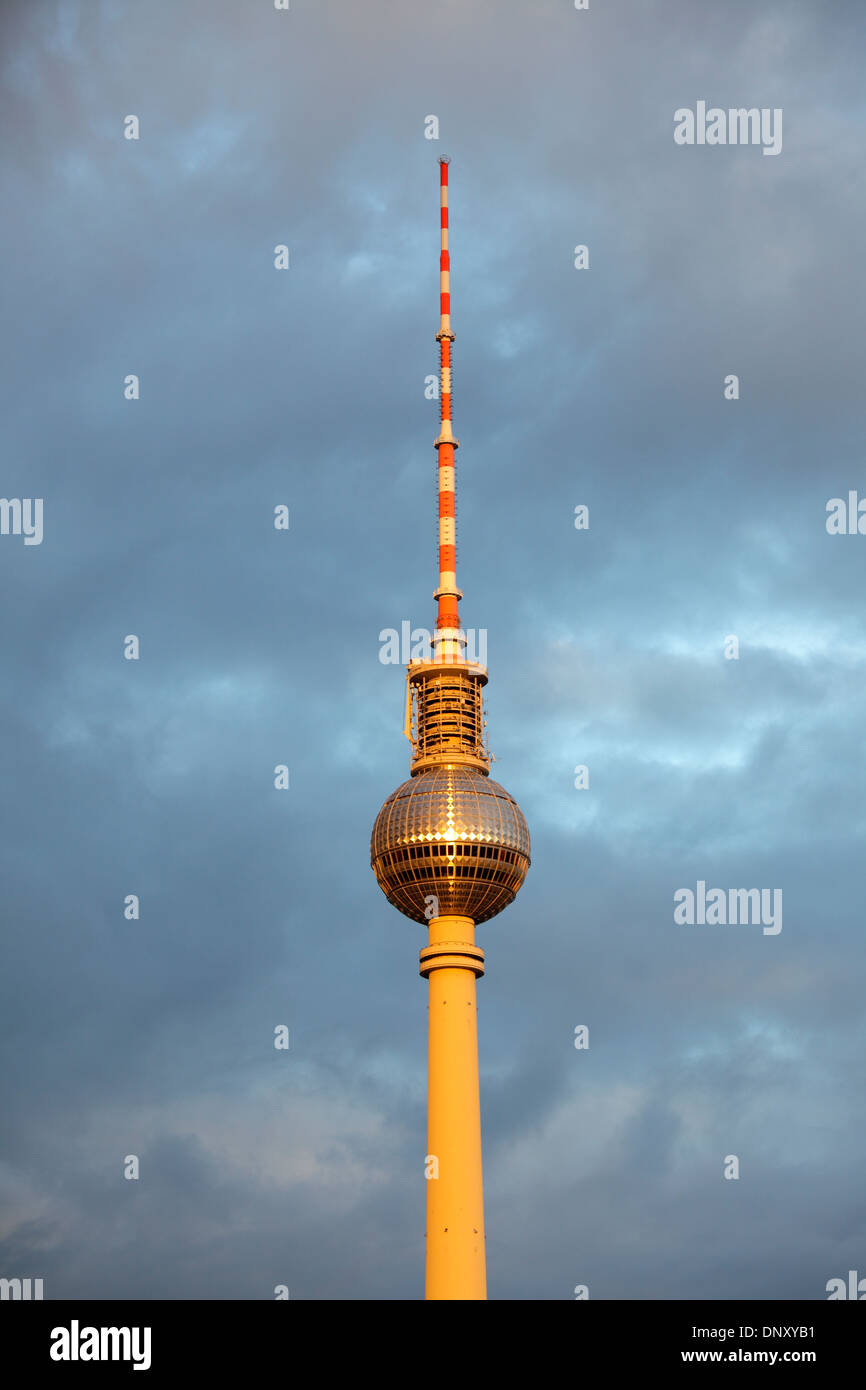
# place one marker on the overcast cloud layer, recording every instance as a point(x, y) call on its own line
point(606, 647)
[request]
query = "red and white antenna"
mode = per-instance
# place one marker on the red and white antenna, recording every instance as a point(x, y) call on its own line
point(448, 641)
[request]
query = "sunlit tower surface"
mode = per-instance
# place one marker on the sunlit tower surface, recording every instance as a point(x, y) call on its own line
point(450, 848)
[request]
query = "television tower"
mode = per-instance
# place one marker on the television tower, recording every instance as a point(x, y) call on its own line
point(450, 848)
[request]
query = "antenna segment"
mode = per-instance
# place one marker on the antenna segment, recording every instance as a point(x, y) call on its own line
point(449, 641)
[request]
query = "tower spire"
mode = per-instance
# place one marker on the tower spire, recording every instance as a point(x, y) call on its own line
point(448, 641)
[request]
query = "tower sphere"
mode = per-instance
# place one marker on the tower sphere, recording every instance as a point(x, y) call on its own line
point(453, 833)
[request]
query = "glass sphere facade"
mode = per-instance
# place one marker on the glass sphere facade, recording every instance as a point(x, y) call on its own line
point(452, 833)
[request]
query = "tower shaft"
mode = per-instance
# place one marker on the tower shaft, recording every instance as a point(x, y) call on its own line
point(456, 1264)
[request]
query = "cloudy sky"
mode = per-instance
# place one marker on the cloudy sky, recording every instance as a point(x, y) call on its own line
point(607, 646)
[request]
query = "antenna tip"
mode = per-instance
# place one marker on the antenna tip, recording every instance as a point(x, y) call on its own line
point(443, 159)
